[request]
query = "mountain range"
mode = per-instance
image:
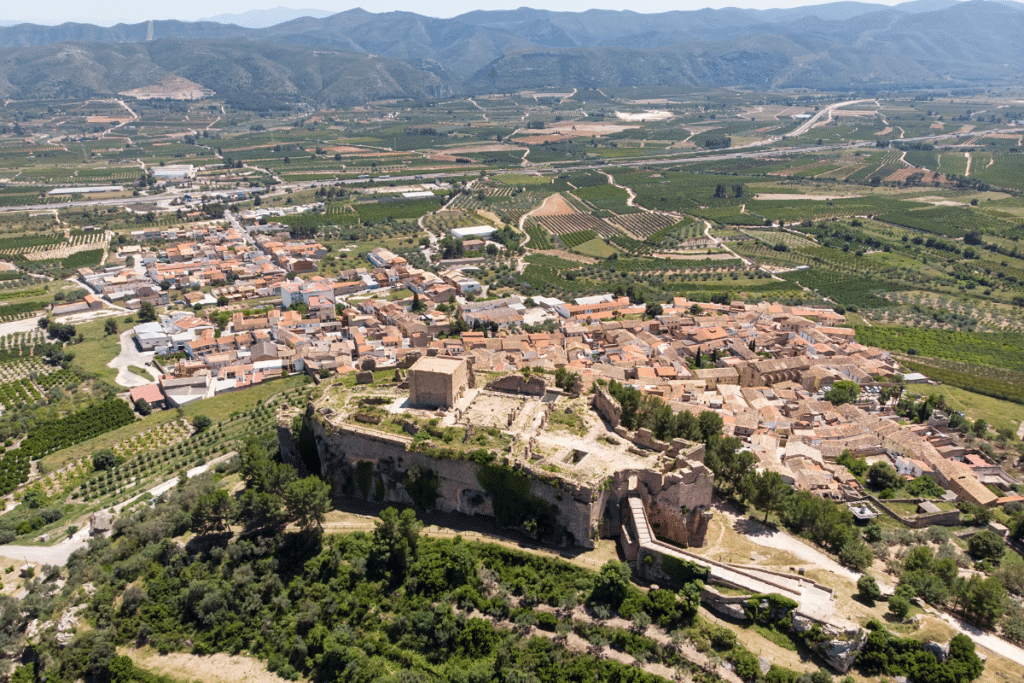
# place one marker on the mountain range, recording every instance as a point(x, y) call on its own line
point(357, 55)
point(262, 18)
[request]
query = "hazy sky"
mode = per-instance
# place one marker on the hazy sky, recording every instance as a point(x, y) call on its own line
point(107, 13)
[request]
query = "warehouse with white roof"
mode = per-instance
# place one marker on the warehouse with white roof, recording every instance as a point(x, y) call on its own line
point(473, 231)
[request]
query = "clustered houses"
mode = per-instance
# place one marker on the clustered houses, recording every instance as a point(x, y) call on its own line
point(763, 367)
point(293, 256)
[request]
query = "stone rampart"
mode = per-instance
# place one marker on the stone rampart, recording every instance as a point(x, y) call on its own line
point(517, 384)
point(607, 407)
point(362, 463)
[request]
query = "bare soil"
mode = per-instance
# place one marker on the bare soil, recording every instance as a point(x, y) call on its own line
point(555, 205)
point(217, 668)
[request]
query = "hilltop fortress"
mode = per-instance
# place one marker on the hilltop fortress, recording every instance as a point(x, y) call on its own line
point(554, 465)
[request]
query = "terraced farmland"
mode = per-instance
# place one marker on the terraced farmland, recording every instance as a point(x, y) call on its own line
point(643, 225)
point(563, 225)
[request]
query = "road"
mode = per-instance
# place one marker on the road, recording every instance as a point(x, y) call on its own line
point(237, 225)
point(59, 553)
point(765, 536)
point(827, 111)
point(130, 355)
point(683, 158)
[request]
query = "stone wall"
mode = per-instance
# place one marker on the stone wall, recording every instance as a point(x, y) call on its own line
point(391, 463)
point(607, 407)
point(286, 439)
point(921, 521)
point(517, 384)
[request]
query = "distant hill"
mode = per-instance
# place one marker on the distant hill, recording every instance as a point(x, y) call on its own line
point(262, 18)
point(355, 55)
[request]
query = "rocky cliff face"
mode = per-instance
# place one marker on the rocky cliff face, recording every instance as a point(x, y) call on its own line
point(369, 465)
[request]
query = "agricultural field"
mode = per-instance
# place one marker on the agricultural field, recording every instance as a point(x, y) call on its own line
point(862, 216)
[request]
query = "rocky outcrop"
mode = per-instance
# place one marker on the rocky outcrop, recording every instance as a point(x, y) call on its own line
point(838, 643)
point(66, 626)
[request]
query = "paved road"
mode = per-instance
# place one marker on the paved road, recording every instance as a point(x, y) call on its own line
point(826, 111)
point(130, 355)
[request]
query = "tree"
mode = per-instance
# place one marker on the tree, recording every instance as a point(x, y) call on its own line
point(142, 407)
point(307, 501)
point(394, 545)
point(856, 466)
point(711, 424)
point(986, 545)
point(980, 428)
point(122, 670)
point(983, 601)
point(727, 462)
point(899, 605)
point(104, 460)
point(746, 665)
point(110, 326)
point(222, 301)
point(689, 599)
point(868, 588)
point(201, 423)
point(611, 585)
point(416, 303)
point(766, 490)
point(147, 312)
point(919, 558)
point(883, 476)
point(653, 309)
point(842, 391)
point(211, 511)
point(856, 554)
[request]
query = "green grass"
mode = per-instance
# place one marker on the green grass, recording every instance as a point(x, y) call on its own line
point(522, 179)
point(141, 372)
point(780, 639)
point(98, 349)
point(572, 422)
point(574, 239)
point(596, 248)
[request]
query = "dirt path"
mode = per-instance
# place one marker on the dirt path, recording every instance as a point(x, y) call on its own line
point(631, 198)
point(216, 668)
point(763, 535)
point(721, 245)
point(473, 102)
point(967, 173)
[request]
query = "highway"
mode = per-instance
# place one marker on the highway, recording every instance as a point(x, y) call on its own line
point(751, 151)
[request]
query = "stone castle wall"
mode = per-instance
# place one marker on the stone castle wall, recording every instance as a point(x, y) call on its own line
point(517, 384)
point(342, 447)
point(607, 407)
